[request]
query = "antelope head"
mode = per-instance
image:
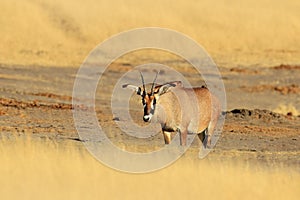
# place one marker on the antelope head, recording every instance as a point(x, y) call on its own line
point(149, 99)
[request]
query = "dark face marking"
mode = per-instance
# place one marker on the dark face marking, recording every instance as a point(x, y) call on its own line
point(149, 102)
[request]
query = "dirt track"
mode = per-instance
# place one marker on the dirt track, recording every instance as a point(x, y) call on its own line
point(37, 101)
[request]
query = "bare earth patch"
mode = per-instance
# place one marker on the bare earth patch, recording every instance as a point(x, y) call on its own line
point(287, 67)
point(248, 134)
point(282, 89)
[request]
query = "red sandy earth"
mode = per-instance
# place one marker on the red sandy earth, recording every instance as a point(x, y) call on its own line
point(42, 107)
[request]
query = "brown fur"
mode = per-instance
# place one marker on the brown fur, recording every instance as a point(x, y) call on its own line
point(183, 110)
point(194, 111)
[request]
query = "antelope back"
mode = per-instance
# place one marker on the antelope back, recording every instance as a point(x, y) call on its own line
point(188, 108)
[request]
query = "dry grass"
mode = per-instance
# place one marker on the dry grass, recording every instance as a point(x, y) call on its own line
point(44, 169)
point(235, 33)
point(285, 109)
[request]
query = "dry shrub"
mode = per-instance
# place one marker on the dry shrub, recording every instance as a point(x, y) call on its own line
point(286, 109)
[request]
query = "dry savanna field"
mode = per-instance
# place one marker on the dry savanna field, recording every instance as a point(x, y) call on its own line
point(255, 44)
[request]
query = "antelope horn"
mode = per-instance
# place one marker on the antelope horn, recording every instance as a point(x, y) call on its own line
point(154, 83)
point(143, 81)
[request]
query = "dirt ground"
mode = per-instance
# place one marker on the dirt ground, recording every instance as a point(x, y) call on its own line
point(38, 101)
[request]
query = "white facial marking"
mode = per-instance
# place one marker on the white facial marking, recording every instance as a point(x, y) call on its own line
point(152, 105)
point(148, 117)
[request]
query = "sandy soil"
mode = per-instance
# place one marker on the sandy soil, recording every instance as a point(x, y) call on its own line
point(37, 101)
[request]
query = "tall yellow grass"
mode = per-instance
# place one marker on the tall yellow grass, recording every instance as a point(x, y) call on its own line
point(46, 169)
point(235, 33)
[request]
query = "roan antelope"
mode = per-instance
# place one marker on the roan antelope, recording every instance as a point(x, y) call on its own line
point(176, 108)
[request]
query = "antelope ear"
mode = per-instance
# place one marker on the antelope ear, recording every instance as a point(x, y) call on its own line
point(176, 83)
point(133, 87)
point(160, 90)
